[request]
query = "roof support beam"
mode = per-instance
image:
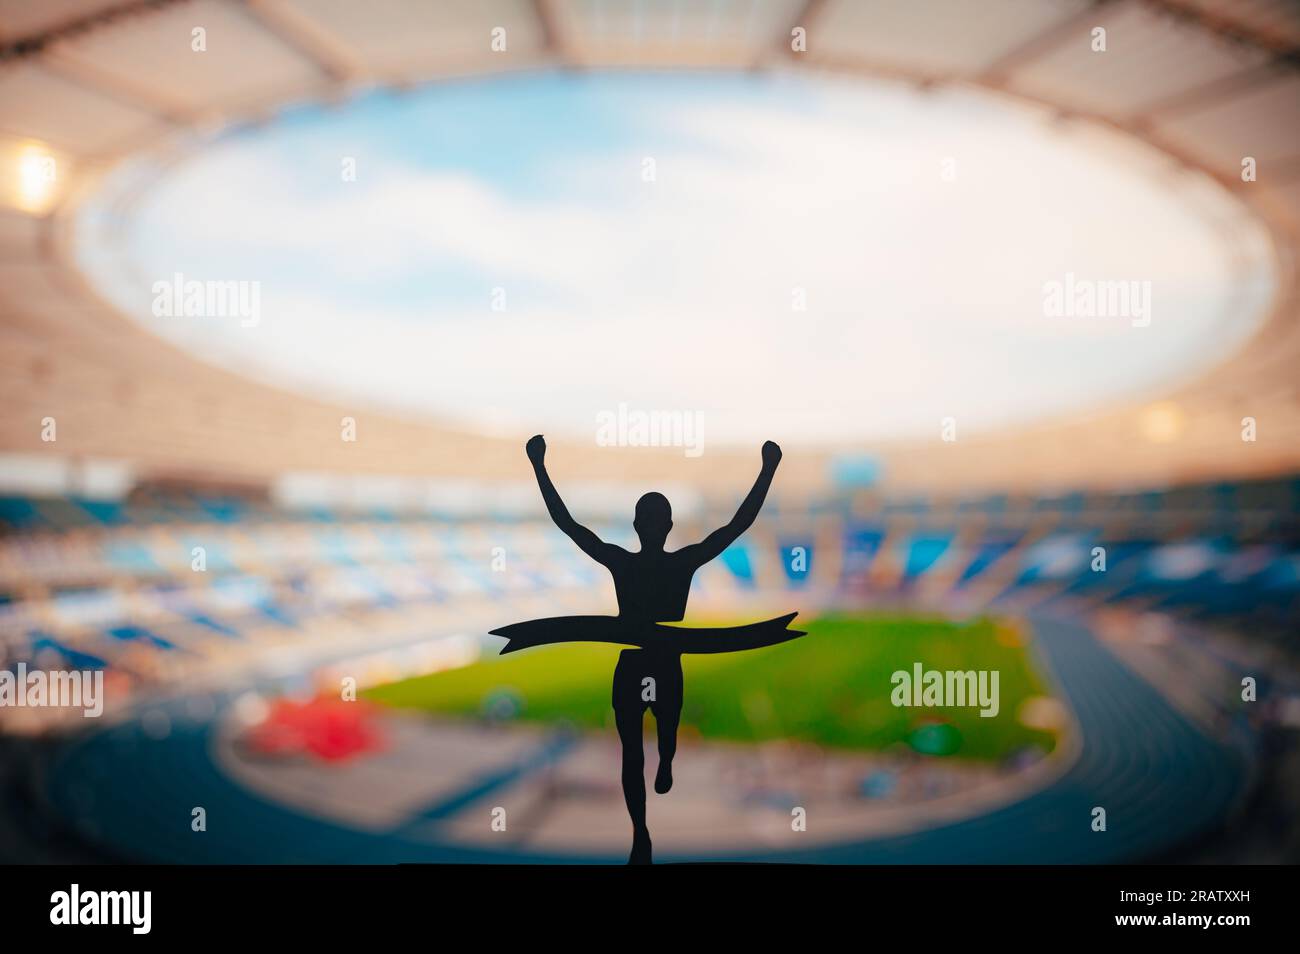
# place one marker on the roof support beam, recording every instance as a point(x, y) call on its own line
point(1218, 24)
point(138, 96)
point(553, 39)
point(996, 73)
point(19, 48)
point(331, 57)
point(807, 16)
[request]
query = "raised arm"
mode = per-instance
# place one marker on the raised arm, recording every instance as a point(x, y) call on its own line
point(717, 541)
point(588, 542)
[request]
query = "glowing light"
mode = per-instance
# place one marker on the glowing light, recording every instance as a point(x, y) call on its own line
point(37, 179)
point(1163, 423)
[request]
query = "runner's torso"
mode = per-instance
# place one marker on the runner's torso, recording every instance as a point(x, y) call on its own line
point(652, 587)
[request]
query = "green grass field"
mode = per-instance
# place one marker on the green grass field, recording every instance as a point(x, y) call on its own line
point(832, 687)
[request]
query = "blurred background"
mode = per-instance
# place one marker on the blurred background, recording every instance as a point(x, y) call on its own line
point(288, 283)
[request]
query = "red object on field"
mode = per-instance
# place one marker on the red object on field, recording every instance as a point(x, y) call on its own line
point(330, 729)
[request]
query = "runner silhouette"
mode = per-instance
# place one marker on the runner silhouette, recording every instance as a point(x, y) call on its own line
point(652, 586)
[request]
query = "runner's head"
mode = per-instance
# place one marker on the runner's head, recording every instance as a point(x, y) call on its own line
point(654, 518)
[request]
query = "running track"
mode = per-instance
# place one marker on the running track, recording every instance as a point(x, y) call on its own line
point(1159, 777)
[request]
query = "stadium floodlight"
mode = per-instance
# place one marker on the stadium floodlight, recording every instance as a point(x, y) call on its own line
point(37, 178)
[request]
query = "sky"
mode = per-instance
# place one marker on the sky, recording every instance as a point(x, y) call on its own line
point(917, 229)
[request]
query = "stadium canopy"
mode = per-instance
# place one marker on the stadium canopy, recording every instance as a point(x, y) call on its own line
point(86, 85)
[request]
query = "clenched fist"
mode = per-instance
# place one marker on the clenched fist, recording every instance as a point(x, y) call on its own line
point(536, 448)
point(771, 454)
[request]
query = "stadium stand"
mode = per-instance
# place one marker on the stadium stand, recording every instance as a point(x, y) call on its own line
point(191, 584)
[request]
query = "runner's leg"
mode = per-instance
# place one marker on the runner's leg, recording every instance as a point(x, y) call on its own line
point(666, 723)
point(629, 719)
point(667, 709)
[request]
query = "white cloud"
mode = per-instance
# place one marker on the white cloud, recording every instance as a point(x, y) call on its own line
point(924, 296)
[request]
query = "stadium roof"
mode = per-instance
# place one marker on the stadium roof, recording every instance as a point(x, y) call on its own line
point(92, 83)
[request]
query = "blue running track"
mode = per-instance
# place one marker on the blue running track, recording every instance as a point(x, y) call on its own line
point(1159, 777)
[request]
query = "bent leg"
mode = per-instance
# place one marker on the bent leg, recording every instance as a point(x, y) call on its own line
point(666, 722)
point(667, 709)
